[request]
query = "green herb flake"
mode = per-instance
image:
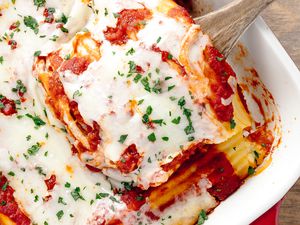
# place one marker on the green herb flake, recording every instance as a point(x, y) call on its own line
point(165, 138)
point(20, 88)
point(63, 19)
point(232, 124)
point(61, 201)
point(67, 185)
point(137, 78)
point(105, 12)
point(1, 59)
point(4, 187)
point(158, 40)
point(36, 119)
point(76, 194)
point(251, 170)
point(31, 22)
point(39, 3)
point(202, 217)
point(171, 87)
point(141, 101)
point(152, 137)
point(176, 120)
point(37, 53)
point(123, 138)
point(101, 195)
point(219, 59)
point(11, 173)
point(33, 150)
point(116, 15)
point(130, 52)
point(149, 110)
point(60, 214)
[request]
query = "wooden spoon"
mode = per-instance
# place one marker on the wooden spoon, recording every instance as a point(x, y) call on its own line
point(226, 25)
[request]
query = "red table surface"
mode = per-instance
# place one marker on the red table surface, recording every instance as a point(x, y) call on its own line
point(270, 217)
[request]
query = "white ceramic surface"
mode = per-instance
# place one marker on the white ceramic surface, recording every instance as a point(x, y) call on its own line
point(282, 78)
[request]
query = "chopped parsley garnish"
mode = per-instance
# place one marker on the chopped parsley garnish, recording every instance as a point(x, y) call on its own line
point(232, 124)
point(61, 201)
point(158, 40)
point(128, 186)
point(123, 138)
point(76, 194)
point(149, 110)
point(220, 59)
point(145, 83)
point(113, 199)
point(60, 214)
point(181, 102)
point(168, 78)
point(130, 52)
point(170, 56)
point(54, 38)
point(132, 67)
point(4, 187)
point(1, 59)
point(67, 185)
point(40, 170)
point(256, 154)
point(36, 119)
point(39, 3)
point(149, 160)
point(202, 217)
point(157, 87)
point(37, 53)
point(36, 198)
point(152, 137)
point(165, 138)
point(31, 22)
point(137, 78)
point(251, 170)
point(116, 15)
point(3, 203)
point(77, 93)
point(105, 12)
point(101, 195)
point(11, 173)
point(67, 57)
point(191, 138)
point(20, 88)
point(65, 30)
point(189, 129)
point(145, 118)
point(33, 150)
point(160, 122)
point(63, 19)
point(140, 101)
point(171, 87)
point(176, 120)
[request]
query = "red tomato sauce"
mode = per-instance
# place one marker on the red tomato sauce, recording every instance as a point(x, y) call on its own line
point(130, 21)
point(8, 205)
point(92, 133)
point(50, 183)
point(8, 107)
point(76, 65)
point(168, 58)
point(129, 160)
point(134, 199)
point(218, 78)
point(207, 162)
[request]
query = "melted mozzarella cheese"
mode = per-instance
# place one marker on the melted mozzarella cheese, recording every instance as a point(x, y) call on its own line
point(103, 91)
point(109, 93)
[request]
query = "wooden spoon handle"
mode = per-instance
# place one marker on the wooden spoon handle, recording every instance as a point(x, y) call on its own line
point(225, 26)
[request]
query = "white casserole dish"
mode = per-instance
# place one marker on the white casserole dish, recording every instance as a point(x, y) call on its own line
point(282, 79)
